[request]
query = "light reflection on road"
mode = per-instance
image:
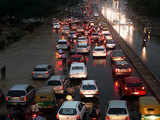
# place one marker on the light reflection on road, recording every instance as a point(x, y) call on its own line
point(144, 54)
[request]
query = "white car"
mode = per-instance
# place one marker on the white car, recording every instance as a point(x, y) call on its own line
point(62, 44)
point(99, 51)
point(110, 44)
point(78, 70)
point(56, 25)
point(117, 110)
point(89, 89)
point(83, 48)
point(71, 110)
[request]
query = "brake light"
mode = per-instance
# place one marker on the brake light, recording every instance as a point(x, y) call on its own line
point(34, 115)
point(116, 70)
point(97, 92)
point(25, 98)
point(81, 93)
point(78, 117)
point(33, 73)
point(61, 87)
point(143, 88)
point(126, 88)
point(57, 116)
point(127, 118)
point(129, 70)
point(7, 98)
point(46, 72)
point(107, 117)
point(116, 84)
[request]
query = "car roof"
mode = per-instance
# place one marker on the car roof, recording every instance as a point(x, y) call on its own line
point(70, 104)
point(123, 62)
point(19, 87)
point(99, 47)
point(133, 79)
point(87, 82)
point(41, 66)
point(56, 77)
point(77, 64)
point(117, 104)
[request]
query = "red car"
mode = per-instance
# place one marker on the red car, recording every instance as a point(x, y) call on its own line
point(132, 86)
point(76, 58)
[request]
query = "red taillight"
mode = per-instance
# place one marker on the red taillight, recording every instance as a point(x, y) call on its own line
point(46, 72)
point(7, 98)
point(97, 92)
point(81, 93)
point(127, 118)
point(61, 87)
point(33, 73)
point(129, 70)
point(78, 117)
point(9, 116)
point(116, 84)
point(34, 115)
point(25, 98)
point(57, 116)
point(116, 70)
point(126, 88)
point(107, 117)
point(143, 88)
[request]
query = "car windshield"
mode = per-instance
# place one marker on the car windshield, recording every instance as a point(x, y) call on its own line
point(110, 41)
point(16, 93)
point(54, 83)
point(99, 49)
point(64, 42)
point(68, 111)
point(75, 59)
point(115, 54)
point(82, 45)
point(40, 69)
point(89, 87)
point(134, 84)
point(117, 111)
point(77, 68)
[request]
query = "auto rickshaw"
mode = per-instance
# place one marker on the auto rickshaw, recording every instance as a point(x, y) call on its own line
point(45, 98)
point(149, 108)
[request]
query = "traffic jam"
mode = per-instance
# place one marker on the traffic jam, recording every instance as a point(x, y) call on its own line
point(92, 79)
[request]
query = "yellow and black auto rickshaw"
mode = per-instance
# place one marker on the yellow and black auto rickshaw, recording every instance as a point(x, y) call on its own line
point(149, 108)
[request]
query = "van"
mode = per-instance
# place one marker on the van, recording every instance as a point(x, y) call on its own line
point(20, 94)
point(45, 98)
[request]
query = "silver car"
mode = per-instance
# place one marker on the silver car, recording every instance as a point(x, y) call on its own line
point(83, 48)
point(89, 89)
point(42, 71)
point(62, 44)
point(99, 51)
point(59, 83)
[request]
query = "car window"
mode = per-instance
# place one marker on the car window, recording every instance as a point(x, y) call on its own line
point(67, 111)
point(75, 59)
point(134, 84)
point(62, 42)
point(77, 68)
point(40, 69)
point(16, 93)
point(54, 83)
point(117, 111)
point(99, 49)
point(89, 87)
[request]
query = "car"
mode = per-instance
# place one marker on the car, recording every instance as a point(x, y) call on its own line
point(107, 34)
point(59, 83)
point(72, 35)
point(71, 110)
point(89, 89)
point(132, 86)
point(20, 94)
point(42, 71)
point(83, 48)
point(66, 30)
point(99, 51)
point(121, 68)
point(117, 110)
point(82, 39)
point(110, 44)
point(117, 55)
point(94, 36)
point(78, 70)
point(62, 44)
point(76, 58)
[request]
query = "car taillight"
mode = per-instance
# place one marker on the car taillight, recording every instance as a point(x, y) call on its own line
point(78, 117)
point(34, 115)
point(97, 92)
point(127, 118)
point(46, 72)
point(116, 70)
point(57, 116)
point(107, 117)
point(126, 88)
point(33, 73)
point(129, 70)
point(61, 87)
point(81, 93)
point(143, 88)
point(7, 98)
point(25, 98)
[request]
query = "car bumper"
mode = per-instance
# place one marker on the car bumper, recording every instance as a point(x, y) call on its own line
point(135, 93)
point(122, 74)
point(59, 91)
point(40, 76)
point(89, 96)
point(78, 76)
point(99, 55)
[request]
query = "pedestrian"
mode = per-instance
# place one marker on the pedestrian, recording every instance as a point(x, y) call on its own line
point(3, 72)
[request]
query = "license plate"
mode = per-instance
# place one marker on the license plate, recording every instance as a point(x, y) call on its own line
point(40, 76)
